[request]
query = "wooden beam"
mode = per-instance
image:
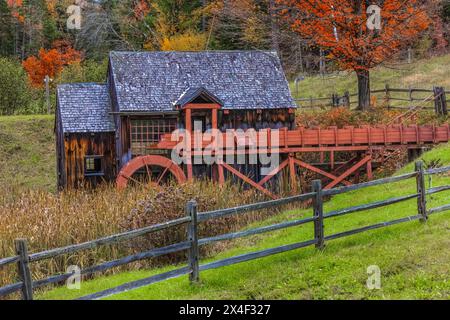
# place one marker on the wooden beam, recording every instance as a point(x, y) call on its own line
point(188, 124)
point(348, 172)
point(332, 160)
point(188, 120)
point(248, 180)
point(369, 169)
point(319, 171)
point(221, 175)
point(292, 173)
point(214, 123)
point(342, 166)
point(202, 106)
point(274, 172)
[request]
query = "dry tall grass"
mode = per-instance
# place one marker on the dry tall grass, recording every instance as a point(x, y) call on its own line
point(49, 221)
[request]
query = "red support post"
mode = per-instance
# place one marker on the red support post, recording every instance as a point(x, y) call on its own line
point(292, 174)
point(221, 174)
point(188, 124)
point(369, 169)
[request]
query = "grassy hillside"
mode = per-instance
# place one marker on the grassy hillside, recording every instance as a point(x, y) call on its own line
point(413, 257)
point(420, 74)
point(27, 152)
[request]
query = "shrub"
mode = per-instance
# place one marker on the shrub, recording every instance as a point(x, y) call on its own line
point(189, 41)
point(170, 204)
point(87, 71)
point(13, 87)
point(379, 115)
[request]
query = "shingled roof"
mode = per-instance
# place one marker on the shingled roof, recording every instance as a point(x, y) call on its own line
point(85, 107)
point(193, 94)
point(155, 81)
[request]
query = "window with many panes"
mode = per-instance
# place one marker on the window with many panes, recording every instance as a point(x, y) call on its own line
point(145, 132)
point(93, 165)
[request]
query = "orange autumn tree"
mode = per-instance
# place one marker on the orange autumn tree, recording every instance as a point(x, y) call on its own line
point(340, 27)
point(50, 62)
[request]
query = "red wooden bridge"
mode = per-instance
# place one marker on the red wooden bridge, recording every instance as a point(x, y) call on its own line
point(363, 141)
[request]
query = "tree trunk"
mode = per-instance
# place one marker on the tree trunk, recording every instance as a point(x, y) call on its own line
point(275, 31)
point(363, 90)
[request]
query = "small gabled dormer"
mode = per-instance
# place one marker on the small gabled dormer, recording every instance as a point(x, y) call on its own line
point(200, 109)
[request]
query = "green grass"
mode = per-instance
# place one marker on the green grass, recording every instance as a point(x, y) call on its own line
point(423, 74)
point(413, 257)
point(27, 152)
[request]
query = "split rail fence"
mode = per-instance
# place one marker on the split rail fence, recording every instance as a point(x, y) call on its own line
point(433, 99)
point(23, 259)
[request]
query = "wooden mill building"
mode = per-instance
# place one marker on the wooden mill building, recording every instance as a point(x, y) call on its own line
point(101, 127)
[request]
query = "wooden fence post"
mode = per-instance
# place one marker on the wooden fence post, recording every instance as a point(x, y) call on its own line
point(191, 210)
point(346, 98)
point(421, 190)
point(410, 93)
point(387, 96)
point(437, 105)
point(24, 268)
point(444, 102)
point(334, 100)
point(440, 103)
point(318, 214)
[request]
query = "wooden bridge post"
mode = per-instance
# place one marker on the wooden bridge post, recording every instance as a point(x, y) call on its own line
point(191, 210)
point(369, 168)
point(421, 191)
point(292, 174)
point(24, 268)
point(318, 214)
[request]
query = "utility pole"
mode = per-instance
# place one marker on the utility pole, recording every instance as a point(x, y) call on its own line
point(409, 55)
point(47, 81)
point(275, 31)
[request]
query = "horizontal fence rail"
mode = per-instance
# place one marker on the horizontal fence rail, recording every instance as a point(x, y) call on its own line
point(253, 207)
point(193, 268)
point(108, 240)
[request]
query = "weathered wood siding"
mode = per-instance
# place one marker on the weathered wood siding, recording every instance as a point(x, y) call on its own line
point(124, 143)
point(246, 119)
point(79, 145)
point(60, 153)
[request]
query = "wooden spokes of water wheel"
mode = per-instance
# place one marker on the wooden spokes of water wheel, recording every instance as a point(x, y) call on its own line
point(149, 171)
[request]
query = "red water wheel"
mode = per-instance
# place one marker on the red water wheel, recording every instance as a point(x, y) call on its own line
point(149, 171)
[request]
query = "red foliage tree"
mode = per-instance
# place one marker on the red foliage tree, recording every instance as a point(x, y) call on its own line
point(340, 28)
point(15, 6)
point(141, 9)
point(50, 62)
